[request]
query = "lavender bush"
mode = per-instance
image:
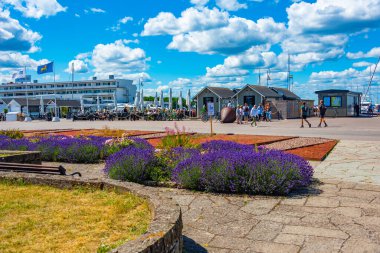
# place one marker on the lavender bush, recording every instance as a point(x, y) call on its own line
point(167, 159)
point(82, 149)
point(131, 163)
point(227, 167)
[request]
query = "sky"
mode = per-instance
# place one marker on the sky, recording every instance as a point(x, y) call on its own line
point(188, 44)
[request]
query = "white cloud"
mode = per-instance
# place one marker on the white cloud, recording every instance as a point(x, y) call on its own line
point(250, 59)
point(82, 56)
point(333, 16)
point(77, 15)
point(97, 10)
point(159, 62)
point(125, 20)
point(362, 64)
point(36, 8)
point(119, 59)
point(191, 19)
point(373, 53)
point(135, 41)
point(120, 22)
point(79, 67)
point(11, 60)
point(223, 71)
point(15, 37)
point(239, 35)
point(180, 83)
point(199, 2)
point(230, 5)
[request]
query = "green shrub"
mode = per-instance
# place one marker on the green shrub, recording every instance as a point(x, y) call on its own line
point(12, 133)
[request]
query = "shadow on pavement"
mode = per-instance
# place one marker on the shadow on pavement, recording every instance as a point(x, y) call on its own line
point(190, 246)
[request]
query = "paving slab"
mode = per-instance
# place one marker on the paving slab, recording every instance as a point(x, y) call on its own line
point(352, 161)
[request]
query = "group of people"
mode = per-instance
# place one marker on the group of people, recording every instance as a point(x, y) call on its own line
point(256, 113)
point(305, 113)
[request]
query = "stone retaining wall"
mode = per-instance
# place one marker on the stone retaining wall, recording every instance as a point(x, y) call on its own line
point(33, 157)
point(164, 234)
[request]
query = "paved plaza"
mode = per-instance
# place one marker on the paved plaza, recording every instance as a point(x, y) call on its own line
point(363, 128)
point(339, 213)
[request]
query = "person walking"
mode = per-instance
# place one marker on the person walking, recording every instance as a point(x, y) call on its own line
point(239, 114)
point(304, 112)
point(322, 111)
point(260, 110)
point(246, 112)
point(254, 115)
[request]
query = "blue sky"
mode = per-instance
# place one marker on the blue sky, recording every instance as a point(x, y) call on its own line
point(186, 44)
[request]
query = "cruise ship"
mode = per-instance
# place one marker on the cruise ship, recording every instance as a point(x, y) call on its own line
point(90, 92)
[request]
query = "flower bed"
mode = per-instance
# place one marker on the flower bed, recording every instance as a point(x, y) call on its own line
point(239, 138)
point(216, 166)
point(316, 152)
point(89, 149)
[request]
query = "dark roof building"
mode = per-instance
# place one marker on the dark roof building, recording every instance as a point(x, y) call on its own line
point(221, 92)
point(285, 93)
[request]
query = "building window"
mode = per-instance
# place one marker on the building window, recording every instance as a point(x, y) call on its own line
point(333, 101)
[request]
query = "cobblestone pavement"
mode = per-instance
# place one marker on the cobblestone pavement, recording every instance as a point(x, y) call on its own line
point(331, 216)
point(352, 161)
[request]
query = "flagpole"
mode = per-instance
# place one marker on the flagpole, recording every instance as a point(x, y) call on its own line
point(27, 100)
point(55, 118)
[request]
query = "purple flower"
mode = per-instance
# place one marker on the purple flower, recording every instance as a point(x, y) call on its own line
point(130, 164)
point(226, 167)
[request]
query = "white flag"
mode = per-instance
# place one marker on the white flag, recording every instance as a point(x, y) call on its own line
point(19, 74)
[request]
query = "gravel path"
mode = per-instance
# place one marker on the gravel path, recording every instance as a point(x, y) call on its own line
point(296, 143)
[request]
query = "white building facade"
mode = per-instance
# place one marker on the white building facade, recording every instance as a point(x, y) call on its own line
point(105, 92)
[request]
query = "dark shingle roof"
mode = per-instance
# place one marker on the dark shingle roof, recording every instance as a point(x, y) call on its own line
point(265, 91)
point(287, 94)
point(222, 92)
point(336, 91)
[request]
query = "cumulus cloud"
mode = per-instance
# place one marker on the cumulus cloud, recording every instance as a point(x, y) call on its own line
point(36, 8)
point(118, 58)
point(362, 64)
point(15, 37)
point(180, 83)
point(251, 59)
point(223, 71)
point(332, 17)
point(97, 10)
point(120, 22)
point(191, 19)
point(230, 5)
point(239, 35)
point(199, 2)
point(79, 67)
point(11, 60)
point(14, 61)
point(373, 53)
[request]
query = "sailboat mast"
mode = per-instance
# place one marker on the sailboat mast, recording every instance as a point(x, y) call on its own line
point(371, 78)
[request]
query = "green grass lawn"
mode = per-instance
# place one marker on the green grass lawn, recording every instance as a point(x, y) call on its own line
point(46, 219)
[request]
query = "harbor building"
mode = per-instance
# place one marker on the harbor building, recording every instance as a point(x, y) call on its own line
point(102, 93)
point(340, 103)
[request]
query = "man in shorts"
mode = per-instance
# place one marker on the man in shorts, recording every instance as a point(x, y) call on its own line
point(304, 112)
point(322, 111)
